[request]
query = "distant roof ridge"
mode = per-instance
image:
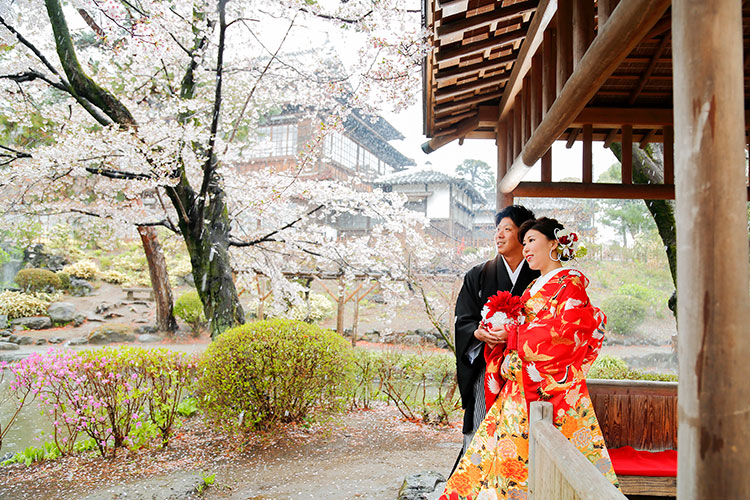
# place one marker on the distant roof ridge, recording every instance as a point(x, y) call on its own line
point(414, 176)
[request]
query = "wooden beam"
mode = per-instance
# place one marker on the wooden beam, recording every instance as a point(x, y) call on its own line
point(668, 154)
point(485, 19)
point(517, 122)
point(463, 88)
point(536, 90)
point(564, 44)
point(614, 117)
point(451, 106)
point(458, 72)
point(502, 199)
point(526, 108)
point(626, 167)
point(492, 42)
point(594, 190)
point(542, 17)
point(647, 138)
point(625, 28)
point(583, 28)
point(713, 309)
point(547, 166)
point(572, 136)
point(462, 129)
point(610, 138)
point(588, 170)
point(649, 69)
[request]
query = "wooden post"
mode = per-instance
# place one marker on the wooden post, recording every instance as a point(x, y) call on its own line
point(583, 28)
point(517, 127)
point(526, 106)
point(340, 303)
point(536, 91)
point(712, 253)
point(627, 154)
point(588, 172)
point(539, 411)
point(603, 9)
point(547, 166)
point(502, 199)
point(668, 154)
point(564, 44)
point(549, 70)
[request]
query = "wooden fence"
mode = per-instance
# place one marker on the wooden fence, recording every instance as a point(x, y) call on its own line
point(557, 470)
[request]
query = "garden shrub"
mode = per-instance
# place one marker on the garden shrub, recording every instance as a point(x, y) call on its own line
point(21, 305)
point(189, 308)
point(264, 373)
point(614, 368)
point(64, 280)
point(114, 277)
point(83, 269)
point(624, 313)
point(315, 308)
point(37, 280)
point(107, 394)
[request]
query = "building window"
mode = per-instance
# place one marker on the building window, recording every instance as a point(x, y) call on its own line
point(276, 140)
point(341, 149)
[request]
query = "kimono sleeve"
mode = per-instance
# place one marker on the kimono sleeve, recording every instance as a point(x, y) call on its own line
point(557, 347)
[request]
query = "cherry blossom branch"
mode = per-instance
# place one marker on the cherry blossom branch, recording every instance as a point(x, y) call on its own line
point(269, 236)
point(11, 157)
point(118, 174)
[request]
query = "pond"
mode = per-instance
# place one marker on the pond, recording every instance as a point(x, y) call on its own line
point(29, 427)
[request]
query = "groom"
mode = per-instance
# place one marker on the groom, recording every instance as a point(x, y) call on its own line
point(508, 271)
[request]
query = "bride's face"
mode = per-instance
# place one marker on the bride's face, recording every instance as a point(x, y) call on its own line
point(537, 249)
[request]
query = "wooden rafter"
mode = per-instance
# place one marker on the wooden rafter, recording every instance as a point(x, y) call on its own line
point(650, 69)
point(489, 18)
point(446, 54)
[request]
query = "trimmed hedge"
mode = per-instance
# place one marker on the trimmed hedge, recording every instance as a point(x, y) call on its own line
point(265, 373)
point(38, 280)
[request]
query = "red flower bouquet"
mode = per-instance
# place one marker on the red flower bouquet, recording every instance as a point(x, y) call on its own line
point(501, 309)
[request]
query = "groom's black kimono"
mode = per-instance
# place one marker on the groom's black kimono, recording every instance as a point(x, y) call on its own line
point(480, 283)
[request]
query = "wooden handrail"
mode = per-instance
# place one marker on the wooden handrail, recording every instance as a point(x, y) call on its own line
point(556, 468)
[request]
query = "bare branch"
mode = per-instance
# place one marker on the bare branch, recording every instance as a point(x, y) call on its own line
point(118, 174)
point(337, 18)
point(269, 237)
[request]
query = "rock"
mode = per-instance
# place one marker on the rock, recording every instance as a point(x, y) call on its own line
point(140, 320)
point(77, 341)
point(78, 319)
point(430, 338)
point(61, 312)
point(33, 323)
point(103, 307)
point(8, 346)
point(55, 263)
point(412, 339)
point(94, 318)
point(25, 341)
point(441, 343)
point(422, 486)
point(112, 314)
point(80, 287)
point(55, 340)
point(3, 320)
point(13, 338)
point(5, 333)
point(147, 329)
point(108, 334)
point(389, 338)
point(39, 341)
point(148, 338)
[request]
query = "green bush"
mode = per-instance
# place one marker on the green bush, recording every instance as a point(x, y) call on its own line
point(624, 313)
point(614, 368)
point(189, 308)
point(115, 277)
point(268, 372)
point(38, 280)
point(64, 280)
point(21, 305)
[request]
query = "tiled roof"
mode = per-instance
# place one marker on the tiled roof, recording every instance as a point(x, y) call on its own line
point(428, 177)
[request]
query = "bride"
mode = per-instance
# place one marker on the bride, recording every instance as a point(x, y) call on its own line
point(546, 358)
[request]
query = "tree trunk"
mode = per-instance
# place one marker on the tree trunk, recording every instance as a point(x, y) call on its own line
point(207, 239)
point(647, 169)
point(157, 269)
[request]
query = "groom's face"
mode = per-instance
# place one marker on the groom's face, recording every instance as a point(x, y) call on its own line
point(506, 238)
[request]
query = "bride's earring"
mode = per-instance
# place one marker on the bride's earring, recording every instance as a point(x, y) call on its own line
point(554, 257)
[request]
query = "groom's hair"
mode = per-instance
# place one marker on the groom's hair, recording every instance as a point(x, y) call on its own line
point(517, 213)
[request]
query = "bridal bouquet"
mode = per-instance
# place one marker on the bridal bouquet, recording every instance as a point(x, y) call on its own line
point(503, 308)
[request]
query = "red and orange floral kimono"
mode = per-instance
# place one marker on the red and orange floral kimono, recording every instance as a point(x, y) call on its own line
point(548, 361)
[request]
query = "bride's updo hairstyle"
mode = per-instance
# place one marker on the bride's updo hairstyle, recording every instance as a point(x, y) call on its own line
point(544, 225)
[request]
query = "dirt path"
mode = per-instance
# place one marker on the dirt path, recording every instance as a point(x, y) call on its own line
point(360, 455)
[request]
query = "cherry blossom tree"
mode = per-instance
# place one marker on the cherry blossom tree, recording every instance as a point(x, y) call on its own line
point(148, 110)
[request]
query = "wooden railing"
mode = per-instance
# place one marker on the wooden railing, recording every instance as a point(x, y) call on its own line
point(557, 469)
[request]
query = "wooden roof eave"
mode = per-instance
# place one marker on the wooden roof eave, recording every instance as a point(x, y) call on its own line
point(624, 29)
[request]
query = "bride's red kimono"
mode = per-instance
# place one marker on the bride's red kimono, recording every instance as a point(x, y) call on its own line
point(548, 360)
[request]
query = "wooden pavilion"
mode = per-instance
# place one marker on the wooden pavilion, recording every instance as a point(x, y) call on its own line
point(526, 73)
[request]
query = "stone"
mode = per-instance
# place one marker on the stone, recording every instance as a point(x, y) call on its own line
point(103, 307)
point(412, 339)
point(3, 320)
point(140, 320)
point(389, 338)
point(147, 329)
point(77, 341)
point(61, 312)
point(430, 338)
point(426, 485)
point(147, 338)
point(80, 287)
point(55, 340)
point(94, 318)
point(8, 346)
point(78, 319)
point(112, 314)
point(25, 341)
point(56, 263)
point(441, 343)
point(39, 341)
point(33, 323)
point(108, 334)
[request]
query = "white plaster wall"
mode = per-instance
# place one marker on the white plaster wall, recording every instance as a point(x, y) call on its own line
point(439, 204)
